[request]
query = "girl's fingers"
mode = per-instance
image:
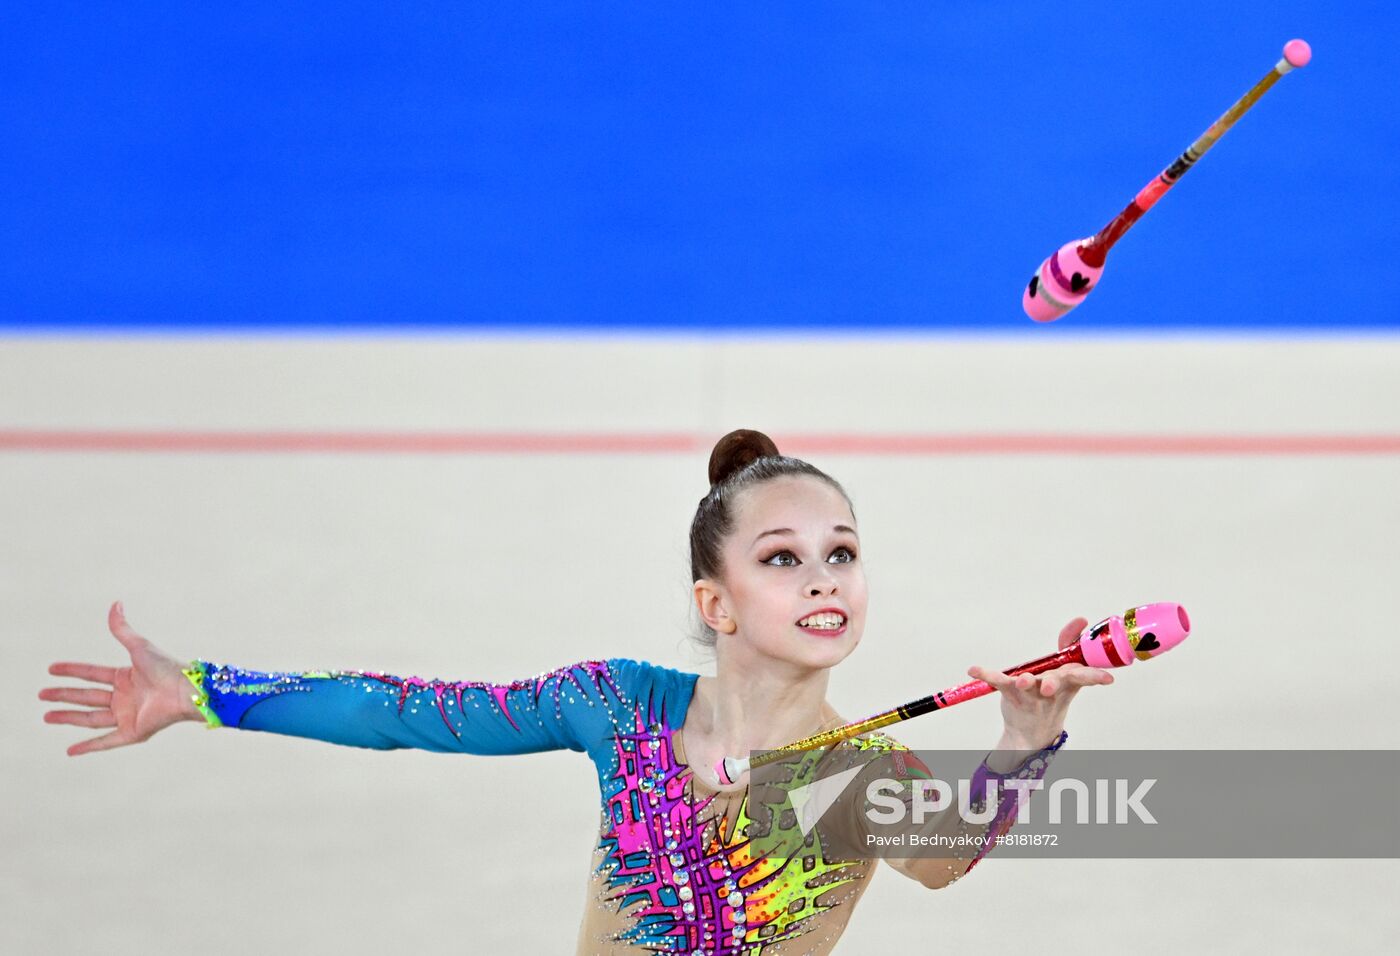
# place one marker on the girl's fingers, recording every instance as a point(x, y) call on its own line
point(1003, 681)
point(105, 742)
point(1073, 675)
point(1071, 631)
point(1058, 678)
point(1084, 675)
point(116, 621)
point(1065, 676)
point(996, 678)
point(82, 718)
point(77, 695)
point(92, 672)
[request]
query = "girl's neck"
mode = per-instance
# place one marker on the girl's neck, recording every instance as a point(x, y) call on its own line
point(753, 706)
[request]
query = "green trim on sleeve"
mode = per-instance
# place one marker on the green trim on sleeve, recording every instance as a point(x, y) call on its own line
point(196, 672)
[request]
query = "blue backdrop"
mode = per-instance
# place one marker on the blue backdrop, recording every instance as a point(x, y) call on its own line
point(806, 165)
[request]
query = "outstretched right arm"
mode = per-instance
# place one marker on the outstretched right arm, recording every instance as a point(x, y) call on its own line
point(385, 712)
point(566, 708)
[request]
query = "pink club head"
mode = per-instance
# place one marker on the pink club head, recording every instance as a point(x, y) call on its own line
point(1141, 632)
point(1106, 644)
point(1154, 629)
point(1062, 282)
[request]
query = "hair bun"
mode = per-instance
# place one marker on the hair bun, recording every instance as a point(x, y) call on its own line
point(738, 449)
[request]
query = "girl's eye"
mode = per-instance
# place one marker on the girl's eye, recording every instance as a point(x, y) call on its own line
point(850, 556)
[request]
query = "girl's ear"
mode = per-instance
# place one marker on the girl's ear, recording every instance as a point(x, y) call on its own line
point(710, 601)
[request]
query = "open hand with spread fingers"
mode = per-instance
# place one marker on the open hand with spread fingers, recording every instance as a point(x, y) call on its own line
point(1033, 706)
point(138, 701)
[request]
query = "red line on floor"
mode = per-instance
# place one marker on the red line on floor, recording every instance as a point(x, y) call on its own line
point(631, 443)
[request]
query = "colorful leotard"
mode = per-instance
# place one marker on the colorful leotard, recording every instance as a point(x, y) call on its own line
point(663, 879)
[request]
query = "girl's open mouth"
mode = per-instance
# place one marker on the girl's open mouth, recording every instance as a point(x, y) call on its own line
point(828, 622)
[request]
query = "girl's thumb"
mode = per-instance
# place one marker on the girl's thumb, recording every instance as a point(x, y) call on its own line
point(116, 620)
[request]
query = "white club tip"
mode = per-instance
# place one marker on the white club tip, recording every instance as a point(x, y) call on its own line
point(730, 769)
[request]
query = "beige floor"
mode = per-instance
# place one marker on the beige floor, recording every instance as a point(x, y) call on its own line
point(493, 565)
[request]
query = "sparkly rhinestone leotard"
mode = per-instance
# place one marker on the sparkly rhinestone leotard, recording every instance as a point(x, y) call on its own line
point(664, 879)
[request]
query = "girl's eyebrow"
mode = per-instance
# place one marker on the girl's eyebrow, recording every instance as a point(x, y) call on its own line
point(839, 527)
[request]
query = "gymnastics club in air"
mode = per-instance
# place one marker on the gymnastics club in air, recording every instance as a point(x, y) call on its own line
point(1141, 633)
point(1073, 271)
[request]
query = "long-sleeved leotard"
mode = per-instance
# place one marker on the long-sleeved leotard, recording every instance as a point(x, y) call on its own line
point(666, 879)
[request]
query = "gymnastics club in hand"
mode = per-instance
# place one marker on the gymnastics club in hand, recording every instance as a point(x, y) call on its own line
point(1073, 271)
point(1141, 633)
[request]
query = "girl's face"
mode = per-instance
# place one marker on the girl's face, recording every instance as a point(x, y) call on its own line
point(793, 552)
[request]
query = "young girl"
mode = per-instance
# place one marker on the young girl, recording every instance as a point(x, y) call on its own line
point(781, 592)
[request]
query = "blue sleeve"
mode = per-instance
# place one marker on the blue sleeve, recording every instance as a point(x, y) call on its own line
point(557, 710)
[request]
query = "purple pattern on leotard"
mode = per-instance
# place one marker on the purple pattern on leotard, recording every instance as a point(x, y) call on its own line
point(680, 897)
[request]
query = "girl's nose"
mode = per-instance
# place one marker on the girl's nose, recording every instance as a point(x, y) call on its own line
point(822, 581)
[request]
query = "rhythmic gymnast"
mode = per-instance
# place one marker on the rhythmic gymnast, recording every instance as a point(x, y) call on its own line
point(780, 590)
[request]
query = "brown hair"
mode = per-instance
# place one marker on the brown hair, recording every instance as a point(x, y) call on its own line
point(742, 459)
